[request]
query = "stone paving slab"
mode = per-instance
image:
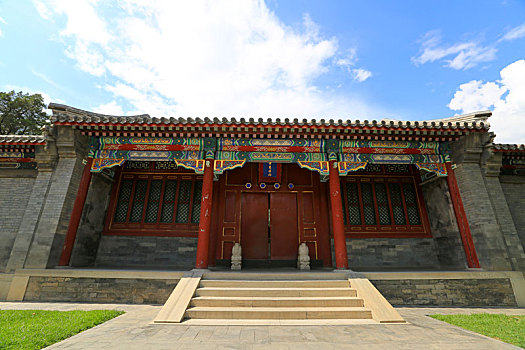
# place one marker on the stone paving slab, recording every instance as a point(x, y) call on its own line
point(134, 330)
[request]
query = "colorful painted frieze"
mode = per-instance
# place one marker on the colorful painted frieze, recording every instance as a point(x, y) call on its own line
point(147, 155)
point(392, 158)
point(220, 166)
point(278, 157)
point(270, 145)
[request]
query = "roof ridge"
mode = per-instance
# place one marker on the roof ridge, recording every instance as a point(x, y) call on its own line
point(68, 115)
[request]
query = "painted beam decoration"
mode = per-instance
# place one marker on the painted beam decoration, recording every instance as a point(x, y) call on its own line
point(438, 168)
point(113, 151)
point(322, 167)
point(271, 145)
point(231, 153)
point(220, 166)
point(513, 164)
point(120, 143)
point(195, 165)
point(425, 155)
point(389, 147)
point(346, 167)
point(276, 157)
point(105, 163)
point(392, 158)
point(17, 159)
point(148, 155)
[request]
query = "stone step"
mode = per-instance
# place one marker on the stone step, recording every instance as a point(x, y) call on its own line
point(276, 292)
point(273, 275)
point(258, 302)
point(278, 313)
point(279, 322)
point(276, 284)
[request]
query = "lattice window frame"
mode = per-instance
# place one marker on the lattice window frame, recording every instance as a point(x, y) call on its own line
point(408, 227)
point(151, 220)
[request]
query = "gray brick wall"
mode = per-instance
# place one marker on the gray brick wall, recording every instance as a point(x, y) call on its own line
point(390, 253)
point(52, 226)
point(443, 225)
point(99, 290)
point(448, 292)
point(71, 184)
point(29, 223)
point(92, 222)
point(141, 251)
point(514, 190)
point(506, 222)
point(486, 233)
point(14, 196)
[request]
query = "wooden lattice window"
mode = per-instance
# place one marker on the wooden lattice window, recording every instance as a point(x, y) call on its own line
point(155, 204)
point(383, 206)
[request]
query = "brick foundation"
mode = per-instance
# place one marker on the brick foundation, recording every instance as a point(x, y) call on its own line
point(151, 252)
point(447, 292)
point(99, 290)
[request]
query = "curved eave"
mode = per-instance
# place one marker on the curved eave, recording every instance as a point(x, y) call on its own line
point(509, 148)
point(22, 140)
point(65, 115)
point(474, 127)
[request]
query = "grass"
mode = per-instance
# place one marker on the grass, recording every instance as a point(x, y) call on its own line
point(36, 329)
point(510, 329)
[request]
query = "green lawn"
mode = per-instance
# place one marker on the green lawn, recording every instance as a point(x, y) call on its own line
point(36, 329)
point(510, 329)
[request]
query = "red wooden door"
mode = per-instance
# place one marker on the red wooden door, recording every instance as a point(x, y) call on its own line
point(254, 225)
point(283, 226)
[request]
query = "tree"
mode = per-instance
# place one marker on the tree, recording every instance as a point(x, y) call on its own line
point(22, 114)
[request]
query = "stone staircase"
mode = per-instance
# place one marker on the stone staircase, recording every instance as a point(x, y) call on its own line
point(283, 299)
point(219, 298)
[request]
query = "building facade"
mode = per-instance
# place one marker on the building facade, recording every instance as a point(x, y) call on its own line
point(104, 191)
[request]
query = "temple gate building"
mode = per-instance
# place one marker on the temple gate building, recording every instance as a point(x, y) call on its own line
point(100, 193)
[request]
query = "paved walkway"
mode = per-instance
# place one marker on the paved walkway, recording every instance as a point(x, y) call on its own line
point(134, 330)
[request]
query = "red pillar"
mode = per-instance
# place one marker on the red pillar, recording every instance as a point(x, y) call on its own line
point(76, 214)
point(341, 259)
point(205, 218)
point(461, 218)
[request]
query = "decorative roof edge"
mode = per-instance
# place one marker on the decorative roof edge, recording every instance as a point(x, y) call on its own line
point(23, 139)
point(508, 147)
point(63, 114)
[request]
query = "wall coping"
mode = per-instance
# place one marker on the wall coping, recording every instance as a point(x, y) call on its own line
point(100, 273)
point(443, 275)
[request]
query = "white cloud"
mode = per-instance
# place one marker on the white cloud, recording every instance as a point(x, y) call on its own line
point(361, 74)
point(88, 59)
point(348, 62)
point(42, 9)
point(514, 33)
point(111, 108)
point(4, 22)
point(86, 31)
point(476, 95)
point(46, 79)
point(463, 55)
point(205, 57)
point(506, 96)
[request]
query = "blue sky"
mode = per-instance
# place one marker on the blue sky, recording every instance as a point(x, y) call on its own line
point(410, 60)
